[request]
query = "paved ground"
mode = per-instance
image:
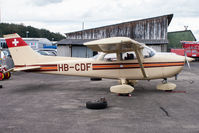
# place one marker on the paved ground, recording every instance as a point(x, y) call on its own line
point(36, 103)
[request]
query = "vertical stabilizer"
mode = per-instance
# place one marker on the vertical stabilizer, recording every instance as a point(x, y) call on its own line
point(21, 53)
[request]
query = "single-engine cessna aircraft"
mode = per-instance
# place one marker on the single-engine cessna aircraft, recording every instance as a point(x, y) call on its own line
point(121, 58)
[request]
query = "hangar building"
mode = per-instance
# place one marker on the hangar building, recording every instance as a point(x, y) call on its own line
point(74, 48)
point(177, 36)
point(151, 31)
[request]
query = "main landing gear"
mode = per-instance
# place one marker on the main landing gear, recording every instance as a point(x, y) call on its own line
point(122, 90)
point(166, 86)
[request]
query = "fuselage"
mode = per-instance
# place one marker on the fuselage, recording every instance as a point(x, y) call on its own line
point(162, 65)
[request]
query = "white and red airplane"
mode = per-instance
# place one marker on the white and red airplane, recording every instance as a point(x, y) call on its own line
point(122, 58)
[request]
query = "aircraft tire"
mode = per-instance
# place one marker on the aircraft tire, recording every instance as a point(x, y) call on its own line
point(7, 75)
point(2, 76)
point(96, 104)
point(168, 90)
point(96, 79)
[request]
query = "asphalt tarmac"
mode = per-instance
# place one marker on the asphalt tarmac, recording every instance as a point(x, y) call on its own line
point(38, 103)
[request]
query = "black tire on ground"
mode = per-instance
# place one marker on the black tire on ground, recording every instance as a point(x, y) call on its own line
point(96, 105)
point(1, 86)
point(128, 94)
point(96, 79)
point(168, 90)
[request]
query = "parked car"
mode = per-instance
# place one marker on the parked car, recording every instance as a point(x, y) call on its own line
point(48, 52)
point(6, 59)
point(5, 54)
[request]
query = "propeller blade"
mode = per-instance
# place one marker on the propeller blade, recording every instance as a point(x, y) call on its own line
point(187, 59)
point(188, 64)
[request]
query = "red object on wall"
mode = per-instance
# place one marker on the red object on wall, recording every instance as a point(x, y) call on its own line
point(190, 48)
point(178, 51)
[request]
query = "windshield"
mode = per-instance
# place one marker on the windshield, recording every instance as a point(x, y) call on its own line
point(148, 52)
point(96, 56)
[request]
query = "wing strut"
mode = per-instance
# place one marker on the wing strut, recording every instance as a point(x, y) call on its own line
point(140, 60)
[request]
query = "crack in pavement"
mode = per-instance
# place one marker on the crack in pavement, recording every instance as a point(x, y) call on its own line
point(165, 111)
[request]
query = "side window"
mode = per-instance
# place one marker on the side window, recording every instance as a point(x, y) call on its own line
point(129, 56)
point(110, 57)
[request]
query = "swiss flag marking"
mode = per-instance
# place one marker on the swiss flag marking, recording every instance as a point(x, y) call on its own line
point(15, 42)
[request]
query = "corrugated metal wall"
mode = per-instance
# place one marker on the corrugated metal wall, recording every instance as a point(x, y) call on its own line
point(63, 50)
point(81, 51)
point(147, 29)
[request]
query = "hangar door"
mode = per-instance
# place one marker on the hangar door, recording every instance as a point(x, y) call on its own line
point(63, 50)
point(81, 51)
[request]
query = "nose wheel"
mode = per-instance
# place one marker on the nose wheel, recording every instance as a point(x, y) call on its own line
point(164, 81)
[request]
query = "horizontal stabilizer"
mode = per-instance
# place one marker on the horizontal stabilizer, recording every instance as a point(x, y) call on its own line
point(16, 69)
point(9, 70)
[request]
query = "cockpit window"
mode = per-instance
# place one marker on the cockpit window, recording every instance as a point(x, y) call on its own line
point(147, 53)
point(129, 56)
point(110, 57)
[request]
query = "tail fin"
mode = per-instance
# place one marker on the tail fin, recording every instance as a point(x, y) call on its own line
point(22, 54)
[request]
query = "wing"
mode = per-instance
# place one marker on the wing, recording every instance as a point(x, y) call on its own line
point(16, 69)
point(114, 45)
point(119, 45)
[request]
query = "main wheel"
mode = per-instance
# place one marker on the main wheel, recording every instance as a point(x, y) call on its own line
point(168, 90)
point(95, 79)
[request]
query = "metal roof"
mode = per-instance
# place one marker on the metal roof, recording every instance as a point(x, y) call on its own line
point(169, 17)
point(148, 31)
point(177, 36)
point(73, 41)
point(184, 32)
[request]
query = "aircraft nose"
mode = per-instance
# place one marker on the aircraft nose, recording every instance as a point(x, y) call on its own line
point(190, 59)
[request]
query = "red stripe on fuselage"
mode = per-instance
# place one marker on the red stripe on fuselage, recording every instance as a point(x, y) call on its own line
point(43, 67)
point(109, 66)
point(135, 65)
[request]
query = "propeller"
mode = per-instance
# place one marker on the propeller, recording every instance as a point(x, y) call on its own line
point(187, 59)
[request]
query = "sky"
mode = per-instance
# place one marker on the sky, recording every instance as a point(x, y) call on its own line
point(66, 16)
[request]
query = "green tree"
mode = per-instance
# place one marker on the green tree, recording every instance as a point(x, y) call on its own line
point(6, 28)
